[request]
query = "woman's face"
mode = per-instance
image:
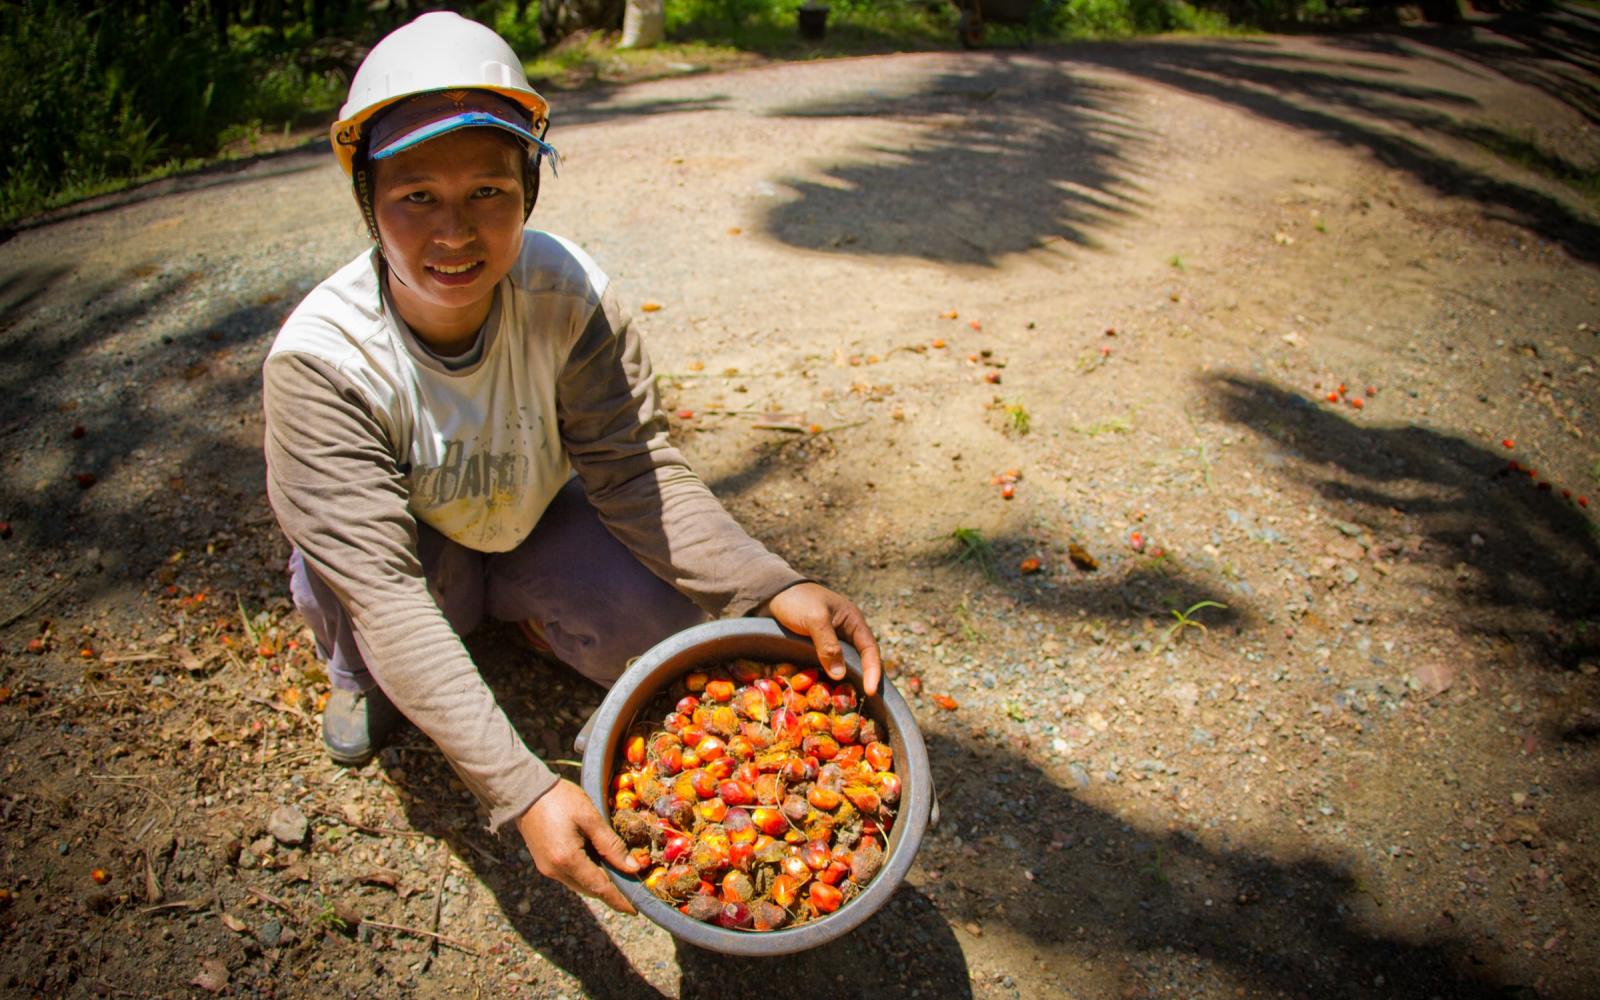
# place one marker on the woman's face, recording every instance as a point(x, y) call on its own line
point(449, 215)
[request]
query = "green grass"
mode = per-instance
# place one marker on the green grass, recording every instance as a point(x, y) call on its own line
point(971, 547)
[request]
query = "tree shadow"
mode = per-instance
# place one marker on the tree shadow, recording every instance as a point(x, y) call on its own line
point(1522, 554)
point(1017, 155)
point(1021, 151)
point(1325, 98)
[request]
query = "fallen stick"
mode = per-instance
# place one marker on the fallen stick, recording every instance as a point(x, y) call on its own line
point(448, 942)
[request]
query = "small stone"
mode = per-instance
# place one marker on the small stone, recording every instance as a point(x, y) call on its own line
point(271, 934)
point(288, 825)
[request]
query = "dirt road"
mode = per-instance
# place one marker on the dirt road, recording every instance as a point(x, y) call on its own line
point(1257, 322)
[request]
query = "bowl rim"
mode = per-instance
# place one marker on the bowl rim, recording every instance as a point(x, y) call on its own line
point(911, 820)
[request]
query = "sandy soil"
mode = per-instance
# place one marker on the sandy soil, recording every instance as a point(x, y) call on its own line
point(1130, 274)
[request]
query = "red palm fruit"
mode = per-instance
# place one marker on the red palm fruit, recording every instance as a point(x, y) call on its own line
point(834, 873)
point(769, 821)
point(794, 701)
point(675, 722)
point(737, 887)
point(711, 810)
point(783, 671)
point(710, 855)
point(641, 857)
point(869, 827)
point(747, 772)
point(794, 866)
point(864, 799)
point(880, 756)
point(687, 785)
point(691, 760)
point(696, 682)
point(702, 783)
point(784, 891)
point(757, 733)
point(785, 724)
point(656, 881)
point(821, 746)
point(740, 854)
point(740, 747)
point(795, 808)
point(681, 881)
point(734, 916)
point(830, 775)
point(869, 733)
point(669, 761)
point(849, 756)
point(771, 691)
point(736, 793)
point(815, 722)
point(889, 787)
point(797, 769)
point(675, 846)
point(721, 768)
point(701, 716)
point(802, 679)
point(674, 810)
point(724, 721)
point(845, 727)
point(702, 908)
point(691, 734)
point(769, 850)
point(687, 704)
point(819, 697)
point(710, 748)
point(746, 671)
point(625, 799)
point(634, 750)
point(738, 818)
point(752, 704)
point(769, 790)
point(766, 915)
point(623, 779)
point(825, 799)
point(747, 836)
point(816, 855)
point(719, 690)
point(865, 862)
point(844, 698)
point(824, 898)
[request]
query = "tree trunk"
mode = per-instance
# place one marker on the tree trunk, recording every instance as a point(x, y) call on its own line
point(560, 18)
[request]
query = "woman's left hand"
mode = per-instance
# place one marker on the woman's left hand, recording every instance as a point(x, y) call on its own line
point(814, 610)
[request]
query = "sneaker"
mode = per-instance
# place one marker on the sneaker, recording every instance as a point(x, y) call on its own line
point(533, 636)
point(356, 725)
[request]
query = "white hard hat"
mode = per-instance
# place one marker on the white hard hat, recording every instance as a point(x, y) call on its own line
point(440, 51)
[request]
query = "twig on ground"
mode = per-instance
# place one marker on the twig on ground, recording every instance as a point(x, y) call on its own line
point(448, 942)
point(269, 898)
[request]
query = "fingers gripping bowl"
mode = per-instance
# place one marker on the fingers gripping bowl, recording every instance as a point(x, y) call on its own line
point(763, 640)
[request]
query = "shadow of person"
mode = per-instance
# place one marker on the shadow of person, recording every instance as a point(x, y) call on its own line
point(546, 704)
point(1084, 886)
point(905, 949)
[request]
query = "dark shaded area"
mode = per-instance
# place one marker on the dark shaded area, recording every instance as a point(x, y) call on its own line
point(1298, 927)
point(1027, 152)
point(1537, 551)
point(204, 371)
point(1023, 155)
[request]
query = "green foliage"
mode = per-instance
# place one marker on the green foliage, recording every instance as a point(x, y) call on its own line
point(972, 547)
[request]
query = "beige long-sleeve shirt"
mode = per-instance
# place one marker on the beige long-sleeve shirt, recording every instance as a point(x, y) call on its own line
point(367, 433)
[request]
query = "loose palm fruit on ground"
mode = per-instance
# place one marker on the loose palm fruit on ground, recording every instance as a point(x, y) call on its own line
point(763, 798)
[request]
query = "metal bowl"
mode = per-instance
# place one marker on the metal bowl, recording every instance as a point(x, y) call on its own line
point(765, 640)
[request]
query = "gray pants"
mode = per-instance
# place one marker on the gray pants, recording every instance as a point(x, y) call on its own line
point(596, 605)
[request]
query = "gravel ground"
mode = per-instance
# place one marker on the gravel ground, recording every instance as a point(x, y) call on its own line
point(1300, 698)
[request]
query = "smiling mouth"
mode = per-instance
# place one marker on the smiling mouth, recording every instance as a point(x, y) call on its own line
point(455, 268)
